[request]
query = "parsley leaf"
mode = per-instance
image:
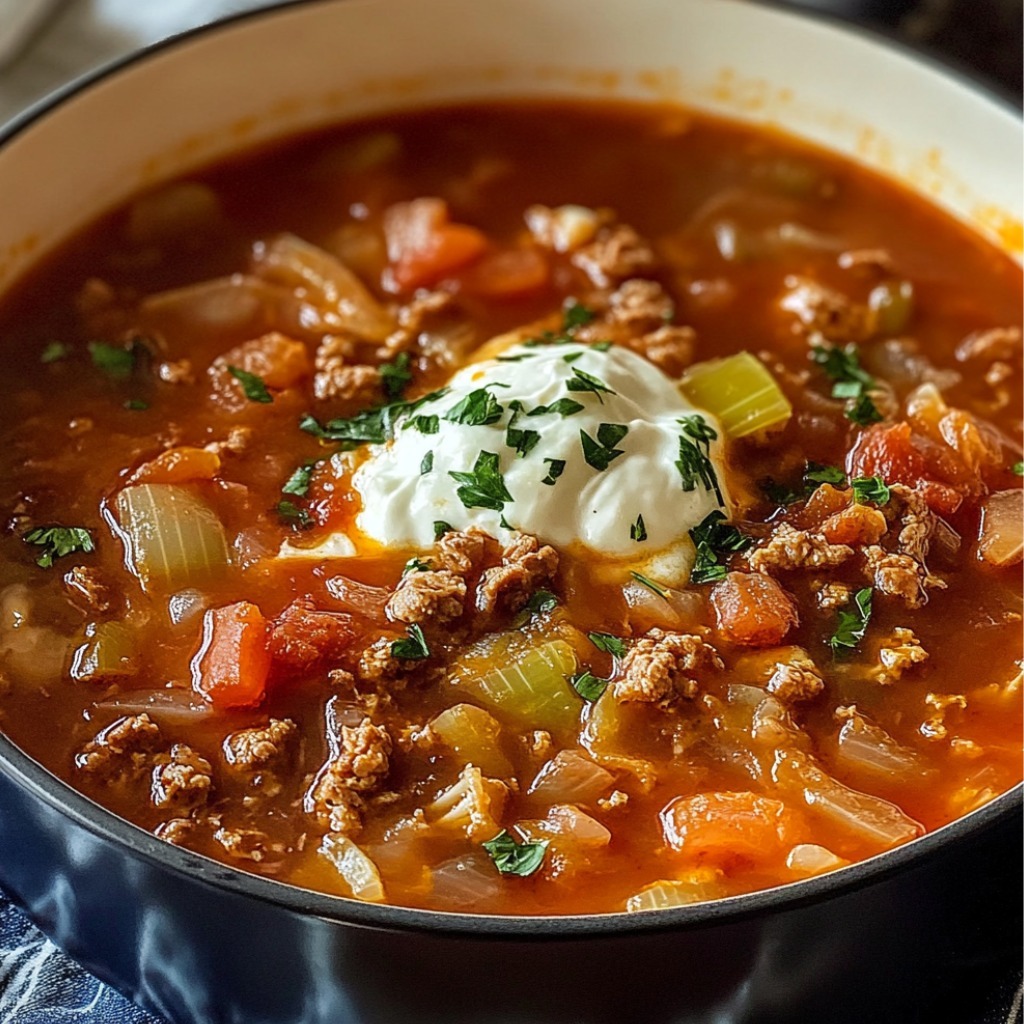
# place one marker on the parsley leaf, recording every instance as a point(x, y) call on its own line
point(484, 487)
point(412, 647)
point(698, 429)
point(863, 412)
point(425, 424)
point(572, 357)
point(253, 386)
point(816, 473)
point(588, 686)
point(298, 483)
point(870, 488)
point(477, 409)
point(562, 406)
point(116, 362)
point(136, 404)
point(416, 565)
point(512, 858)
point(712, 538)
point(602, 346)
point(650, 584)
point(851, 626)
point(54, 352)
point(426, 463)
point(851, 381)
point(778, 493)
point(601, 453)
point(695, 466)
point(555, 469)
point(637, 530)
point(521, 441)
point(609, 644)
point(441, 528)
point(576, 315)
point(583, 381)
point(371, 426)
point(541, 601)
point(1017, 469)
point(396, 376)
point(294, 515)
point(59, 541)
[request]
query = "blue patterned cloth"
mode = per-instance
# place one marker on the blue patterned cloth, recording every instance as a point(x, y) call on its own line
point(41, 985)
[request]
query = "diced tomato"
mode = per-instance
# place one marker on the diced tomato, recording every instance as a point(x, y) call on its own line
point(753, 609)
point(303, 636)
point(508, 274)
point(231, 668)
point(722, 827)
point(178, 466)
point(424, 246)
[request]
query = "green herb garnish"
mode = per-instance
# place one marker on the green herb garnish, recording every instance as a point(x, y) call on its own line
point(576, 315)
point(583, 381)
point(512, 858)
point(54, 351)
point(426, 463)
point(713, 538)
point(870, 488)
point(136, 404)
point(609, 644)
point(521, 441)
point(425, 424)
point(851, 381)
point(816, 473)
point(851, 626)
point(254, 387)
point(863, 412)
point(598, 454)
point(59, 541)
point(396, 376)
point(412, 647)
point(116, 362)
point(441, 528)
point(298, 483)
point(637, 530)
point(561, 406)
point(416, 565)
point(294, 515)
point(1017, 469)
point(477, 409)
point(650, 584)
point(588, 686)
point(484, 487)
point(555, 469)
point(541, 601)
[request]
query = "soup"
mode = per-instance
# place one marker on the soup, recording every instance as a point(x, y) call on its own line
point(527, 508)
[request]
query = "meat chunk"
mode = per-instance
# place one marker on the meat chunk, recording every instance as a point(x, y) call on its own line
point(261, 747)
point(752, 609)
point(899, 653)
point(430, 596)
point(642, 303)
point(855, 526)
point(899, 576)
point(235, 443)
point(304, 636)
point(918, 522)
point(789, 548)
point(1003, 343)
point(124, 749)
point(670, 348)
point(823, 313)
point(662, 666)
point(473, 806)
point(182, 781)
point(248, 844)
point(90, 588)
point(462, 551)
point(934, 727)
point(176, 830)
point(616, 253)
point(525, 566)
point(796, 678)
point(359, 383)
point(377, 663)
point(832, 595)
point(280, 362)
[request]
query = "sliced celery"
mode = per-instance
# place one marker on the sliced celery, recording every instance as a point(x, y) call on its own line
point(173, 539)
point(739, 391)
point(529, 683)
point(110, 651)
point(695, 887)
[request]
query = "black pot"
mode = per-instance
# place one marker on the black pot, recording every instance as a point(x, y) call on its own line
point(202, 943)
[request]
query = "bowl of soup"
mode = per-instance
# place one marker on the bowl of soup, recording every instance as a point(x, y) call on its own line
point(511, 515)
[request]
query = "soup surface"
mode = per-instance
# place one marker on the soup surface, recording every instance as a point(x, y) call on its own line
point(528, 509)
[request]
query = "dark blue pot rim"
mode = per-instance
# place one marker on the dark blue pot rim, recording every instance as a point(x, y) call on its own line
point(33, 777)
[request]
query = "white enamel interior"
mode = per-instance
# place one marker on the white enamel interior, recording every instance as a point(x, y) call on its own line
point(325, 60)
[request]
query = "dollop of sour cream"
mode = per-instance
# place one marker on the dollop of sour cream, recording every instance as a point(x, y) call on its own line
point(572, 443)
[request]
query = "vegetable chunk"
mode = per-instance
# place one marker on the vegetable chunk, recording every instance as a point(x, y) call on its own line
point(233, 663)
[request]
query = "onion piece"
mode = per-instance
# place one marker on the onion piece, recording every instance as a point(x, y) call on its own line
point(172, 538)
point(467, 881)
point(343, 300)
point(357, 870)
point(677, 610)
point(697, 886)
point(807, 859)
point(472, 805)
point(867, 748)
point(360, 598)
point(475, 736)
point(1001, 535)
point(569, 777)
point(240, 304)
point(173, 703)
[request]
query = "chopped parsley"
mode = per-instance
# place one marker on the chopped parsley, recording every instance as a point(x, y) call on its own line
point(561, 406)
point(850, 381)
point(512, 858)
point(425, 424)
point(521, 441)
point(426, 463)
point(601, 346)
point(484, 487)
point(816, 473)
point(576, 315)
point(1017, 469)
point(253, 385)
point(609, 644)
point(396, 376)
point(851, 626)
point(695, 466)
point(588, 686)
point(778, 493)
point(298, 483)
point(412, 647)
point(59, 541)
point(601, 453)
point(541, 601)
point(637, 530)
point(441, 528)
point(416, 565)
point(477, 409)
point(870, 488)
point(650, 584)
point(135, 404)
point(556, 467)
point(587, 382)
point(572, 357)
point(54, 351)
point(115, 361)
point(713, 538)
point(294, 515)
point(371, 426)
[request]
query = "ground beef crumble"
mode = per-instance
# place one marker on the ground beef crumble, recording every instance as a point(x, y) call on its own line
point(428, 596)
point(899, 653)
point(182, 781)
point(796, 678)
point(790, 548)
point(661, 666)
point(123, 749)
point(525, 566)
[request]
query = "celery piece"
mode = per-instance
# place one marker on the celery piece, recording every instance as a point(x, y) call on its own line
point(695, 887)
point(739, 391)
point(529, 685)
point(110, 651)
point(172, 538)
point(475, 736)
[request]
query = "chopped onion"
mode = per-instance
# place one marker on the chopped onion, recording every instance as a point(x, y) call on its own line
point(467, 881)
point(110, 651)
point(697, 886)
point(472, 805)
point(1001, 536)
point(341, 298)
point(740, 392)
point(677, 610)
point(864, 747)
point(240, 304)
point(179, 212)
point(358, 871)
point(808, 859)
point(172, 539)
point(358, 597)
point(475, 736)
point(571, 823)
point(569, 777)
point(173, 703)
